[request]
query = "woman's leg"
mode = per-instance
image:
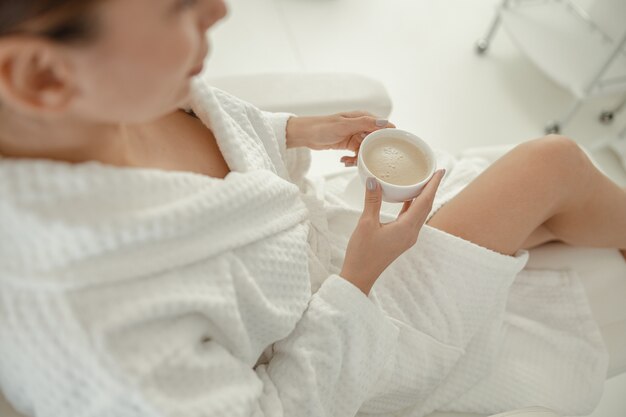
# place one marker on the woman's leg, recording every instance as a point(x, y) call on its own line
point(545, 189)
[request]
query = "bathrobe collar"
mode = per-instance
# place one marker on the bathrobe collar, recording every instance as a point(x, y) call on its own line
point(73, 224)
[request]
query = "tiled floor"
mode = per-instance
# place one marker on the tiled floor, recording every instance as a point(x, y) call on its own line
point(422, 50)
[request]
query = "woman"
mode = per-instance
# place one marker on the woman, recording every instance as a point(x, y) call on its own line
point(154, 263)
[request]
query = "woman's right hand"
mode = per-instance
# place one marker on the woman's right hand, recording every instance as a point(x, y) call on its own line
point(373, 245)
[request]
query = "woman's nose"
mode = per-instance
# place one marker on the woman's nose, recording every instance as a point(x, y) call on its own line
point(211, 12)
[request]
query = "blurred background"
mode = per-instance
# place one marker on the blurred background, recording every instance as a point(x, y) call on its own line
point(424, 53)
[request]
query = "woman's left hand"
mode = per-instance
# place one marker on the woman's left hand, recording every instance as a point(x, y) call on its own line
point(338, 131)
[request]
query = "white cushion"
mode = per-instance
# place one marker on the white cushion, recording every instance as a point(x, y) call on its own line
point(308, 94)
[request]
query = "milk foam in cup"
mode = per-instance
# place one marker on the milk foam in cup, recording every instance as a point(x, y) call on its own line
point(400, 161)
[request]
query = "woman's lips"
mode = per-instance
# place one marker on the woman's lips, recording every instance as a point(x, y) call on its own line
point(198, 69)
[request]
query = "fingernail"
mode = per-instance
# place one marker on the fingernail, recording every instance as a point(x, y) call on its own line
point(382, 122)
point(371, 183)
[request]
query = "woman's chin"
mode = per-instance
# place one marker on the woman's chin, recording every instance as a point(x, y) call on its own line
point(184, 98)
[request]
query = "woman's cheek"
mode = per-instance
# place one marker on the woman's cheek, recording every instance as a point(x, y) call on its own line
point(180, 52)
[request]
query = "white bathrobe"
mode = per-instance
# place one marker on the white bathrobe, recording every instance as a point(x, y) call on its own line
point(141, 293)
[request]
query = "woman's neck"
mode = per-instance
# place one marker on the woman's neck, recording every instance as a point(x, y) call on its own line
point(62, 140)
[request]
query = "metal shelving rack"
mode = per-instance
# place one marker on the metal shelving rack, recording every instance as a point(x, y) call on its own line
point(571, 45)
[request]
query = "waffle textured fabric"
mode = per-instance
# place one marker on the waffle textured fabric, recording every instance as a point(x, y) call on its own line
point(133, 292)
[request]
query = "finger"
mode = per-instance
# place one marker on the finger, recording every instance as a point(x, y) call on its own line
point(356, 113)
point(373, 199)
point(423, 203)
point(349, 161)
point(381, 123)
point(368, 124)
point(405, 207)
point(367, 120)
point(354, 143)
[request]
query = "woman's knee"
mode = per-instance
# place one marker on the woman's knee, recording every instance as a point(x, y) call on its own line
point(557, 157)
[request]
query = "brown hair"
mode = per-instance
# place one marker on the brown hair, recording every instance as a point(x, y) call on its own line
point(58, 20)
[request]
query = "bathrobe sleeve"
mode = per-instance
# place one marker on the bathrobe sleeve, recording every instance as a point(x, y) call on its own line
point(297, 160)
point(178, 365)
point(260, 134)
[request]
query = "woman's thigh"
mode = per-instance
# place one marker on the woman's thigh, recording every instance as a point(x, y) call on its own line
point(504, 208)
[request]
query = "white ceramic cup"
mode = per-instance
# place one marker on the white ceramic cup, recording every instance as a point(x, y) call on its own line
point(393, 193)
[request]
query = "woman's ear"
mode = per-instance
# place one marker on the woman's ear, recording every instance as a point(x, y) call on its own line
point(35, 75)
